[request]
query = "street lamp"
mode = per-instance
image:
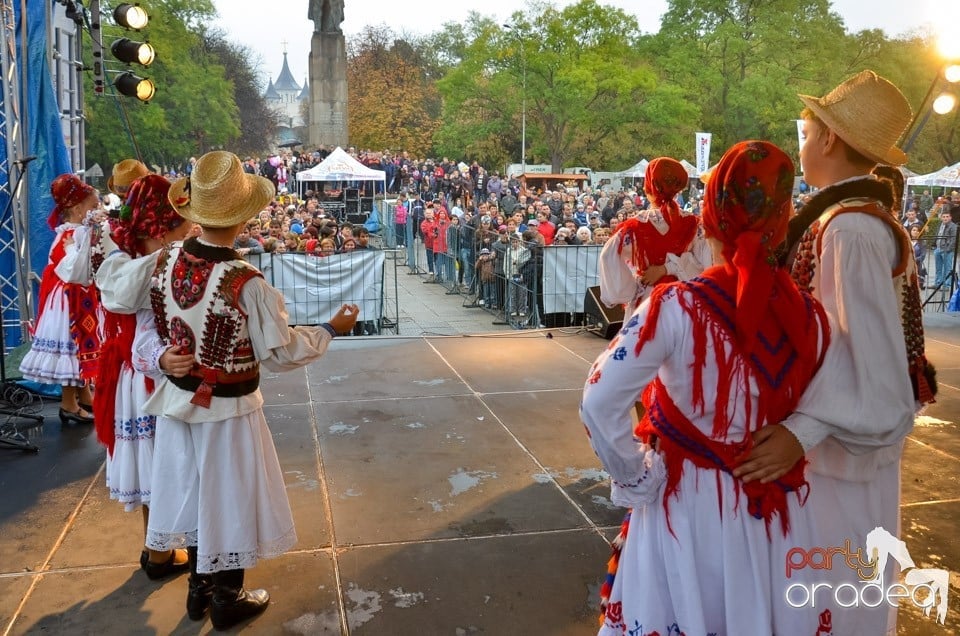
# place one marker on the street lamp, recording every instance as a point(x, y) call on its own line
point(944, 102)
point(523, 115)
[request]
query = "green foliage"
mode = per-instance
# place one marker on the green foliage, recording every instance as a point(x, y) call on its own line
point(194, 109)
point(258, 122)
point(583, 88)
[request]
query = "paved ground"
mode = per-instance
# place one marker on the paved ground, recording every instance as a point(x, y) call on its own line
point(440, 485)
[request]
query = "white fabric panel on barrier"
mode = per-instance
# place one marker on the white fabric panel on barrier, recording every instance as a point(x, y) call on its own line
point(314, 288)
point(567, 273)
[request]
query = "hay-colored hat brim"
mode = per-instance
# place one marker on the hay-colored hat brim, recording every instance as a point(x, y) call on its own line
point(128, 171)
point(892, 156)
point(255, 193)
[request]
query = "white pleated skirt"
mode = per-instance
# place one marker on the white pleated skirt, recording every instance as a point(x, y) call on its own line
point(52, 358)
point(219, 486)
point(129, 468)
point(717, 572)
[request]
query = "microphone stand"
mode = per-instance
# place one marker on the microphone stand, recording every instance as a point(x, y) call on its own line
point(12, 393)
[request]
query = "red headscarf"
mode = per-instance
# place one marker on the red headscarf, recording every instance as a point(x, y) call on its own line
point(747, 206)
point(147, 213)
point(67, 190)
point(665, 179)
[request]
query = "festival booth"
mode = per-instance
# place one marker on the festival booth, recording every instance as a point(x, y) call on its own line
point(948, 177)
point(338, 177)
point(535, 182)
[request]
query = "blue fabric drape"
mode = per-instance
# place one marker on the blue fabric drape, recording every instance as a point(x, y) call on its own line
point(43, 138)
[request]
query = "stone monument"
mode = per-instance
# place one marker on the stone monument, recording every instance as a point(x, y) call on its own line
point(328, 75)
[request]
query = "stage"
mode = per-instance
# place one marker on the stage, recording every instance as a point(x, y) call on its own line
point(440, 485)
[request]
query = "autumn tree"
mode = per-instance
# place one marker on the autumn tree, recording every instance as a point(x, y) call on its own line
point(391, 101)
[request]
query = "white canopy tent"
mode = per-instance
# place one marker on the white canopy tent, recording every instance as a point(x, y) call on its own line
point(339, 166)
point(636, 171)
point(948, 177)
point(691, 169)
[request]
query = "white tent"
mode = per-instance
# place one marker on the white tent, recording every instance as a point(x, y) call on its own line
point(339, 166)
point(948, 177)
point(637, 170)
point(691, 169)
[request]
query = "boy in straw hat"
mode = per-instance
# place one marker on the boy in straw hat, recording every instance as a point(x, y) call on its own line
point(217, 483)
point(857, 260)
point(124, 174)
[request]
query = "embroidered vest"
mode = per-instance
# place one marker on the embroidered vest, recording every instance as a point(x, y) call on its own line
point(194, 295)
point(905, 284)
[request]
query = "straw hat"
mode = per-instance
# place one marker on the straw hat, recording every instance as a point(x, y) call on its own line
point(218, 193)
point(125, 173)
point(869, 113)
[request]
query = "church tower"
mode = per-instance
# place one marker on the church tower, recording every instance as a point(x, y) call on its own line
point(285, 96)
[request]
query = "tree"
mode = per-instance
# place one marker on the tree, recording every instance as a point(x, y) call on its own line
point(744, 61)
point(391, 101)
point(194, 108)
point(258, 123)
point(588, 92)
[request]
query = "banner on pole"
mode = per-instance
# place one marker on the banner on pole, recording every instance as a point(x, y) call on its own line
point(703, 152)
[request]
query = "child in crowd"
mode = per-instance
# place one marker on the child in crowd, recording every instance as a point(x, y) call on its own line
point(486, 263)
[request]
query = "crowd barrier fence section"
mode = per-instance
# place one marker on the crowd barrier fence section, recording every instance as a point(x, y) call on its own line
point(315, 287)
point(937, 271)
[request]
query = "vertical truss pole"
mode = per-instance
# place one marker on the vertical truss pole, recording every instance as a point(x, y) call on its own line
point(15, 290)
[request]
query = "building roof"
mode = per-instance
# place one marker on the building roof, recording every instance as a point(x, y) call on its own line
point(285, 81)
point(271, 92)
point(305, 93)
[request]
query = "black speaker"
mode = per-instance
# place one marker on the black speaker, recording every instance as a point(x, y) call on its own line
point(366, 204)
point(600, 319)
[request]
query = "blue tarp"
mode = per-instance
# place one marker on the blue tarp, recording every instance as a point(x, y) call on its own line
point(44, 138)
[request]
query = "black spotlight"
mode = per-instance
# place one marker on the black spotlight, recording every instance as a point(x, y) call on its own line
point(132, 86)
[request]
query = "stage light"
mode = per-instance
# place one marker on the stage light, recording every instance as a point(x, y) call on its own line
point(132, 86)
point(130, 16)
point(944, 103)
point(132, 52)
point(952, 73)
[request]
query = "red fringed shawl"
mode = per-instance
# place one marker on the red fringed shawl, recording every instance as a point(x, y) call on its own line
point(650, 247)
point(774, 365)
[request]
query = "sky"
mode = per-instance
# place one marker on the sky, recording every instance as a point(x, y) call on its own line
point(265, 30)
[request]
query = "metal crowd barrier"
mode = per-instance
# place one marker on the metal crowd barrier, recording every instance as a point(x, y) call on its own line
point(315, 287)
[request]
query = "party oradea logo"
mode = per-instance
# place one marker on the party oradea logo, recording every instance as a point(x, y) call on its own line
point(925, 588)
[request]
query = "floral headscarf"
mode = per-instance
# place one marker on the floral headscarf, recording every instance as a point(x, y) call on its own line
point(747, 207)
point(147, 213)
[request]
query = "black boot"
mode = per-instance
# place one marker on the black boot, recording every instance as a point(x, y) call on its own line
point(231, 603)
point(200, 589)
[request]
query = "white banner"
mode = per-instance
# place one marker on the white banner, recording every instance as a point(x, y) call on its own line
point(703, 152)
point(314, 288)
point(800, 137)
point(567, 273)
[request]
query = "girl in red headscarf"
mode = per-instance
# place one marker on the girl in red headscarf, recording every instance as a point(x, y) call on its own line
point(726, 356)
point(131, 345)
point(65, 342)
point(659, 245)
